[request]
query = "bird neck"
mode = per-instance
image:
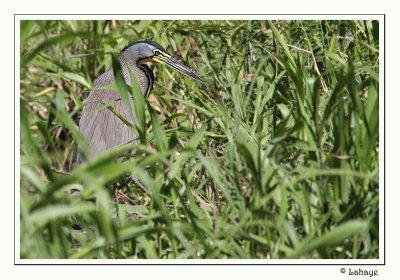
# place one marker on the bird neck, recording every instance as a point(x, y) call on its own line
point(127, 62)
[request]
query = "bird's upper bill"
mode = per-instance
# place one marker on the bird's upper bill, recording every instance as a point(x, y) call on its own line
point(165, 58)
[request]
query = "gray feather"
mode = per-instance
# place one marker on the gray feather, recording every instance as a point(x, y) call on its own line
point(102, 129)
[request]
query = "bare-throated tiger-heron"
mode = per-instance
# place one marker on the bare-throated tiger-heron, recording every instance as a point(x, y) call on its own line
point(101, 128)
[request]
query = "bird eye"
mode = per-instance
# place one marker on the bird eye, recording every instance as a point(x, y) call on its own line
point(157, 52)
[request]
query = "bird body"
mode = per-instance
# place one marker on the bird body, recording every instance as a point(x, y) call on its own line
point(101, 128)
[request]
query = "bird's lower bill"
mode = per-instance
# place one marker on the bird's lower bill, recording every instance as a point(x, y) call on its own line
point(172, 62)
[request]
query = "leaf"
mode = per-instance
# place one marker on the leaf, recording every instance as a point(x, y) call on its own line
point(158, 131)
point(43, 215)
point(330, 238)
point(59, 111)
point(53, 41)
point(27, 26)
point(122, 86)
point(213, 170)
point(197, 137)
point(140, 104)
point(282, 43)
point(77, 78)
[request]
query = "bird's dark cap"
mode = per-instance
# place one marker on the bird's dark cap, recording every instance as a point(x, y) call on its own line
point(154, 44)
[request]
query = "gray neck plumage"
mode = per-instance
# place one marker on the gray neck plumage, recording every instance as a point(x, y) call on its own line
point(143, 73)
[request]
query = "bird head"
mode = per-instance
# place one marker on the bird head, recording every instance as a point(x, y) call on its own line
point(148, 51)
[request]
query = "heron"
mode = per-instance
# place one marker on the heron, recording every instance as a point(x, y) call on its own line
point(101, 128)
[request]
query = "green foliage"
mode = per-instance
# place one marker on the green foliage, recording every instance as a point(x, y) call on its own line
point(263, 164)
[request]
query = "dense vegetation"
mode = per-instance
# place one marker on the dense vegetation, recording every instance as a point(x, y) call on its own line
point(277, 159)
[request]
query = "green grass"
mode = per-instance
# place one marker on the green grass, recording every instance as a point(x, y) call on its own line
point(265, 164)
